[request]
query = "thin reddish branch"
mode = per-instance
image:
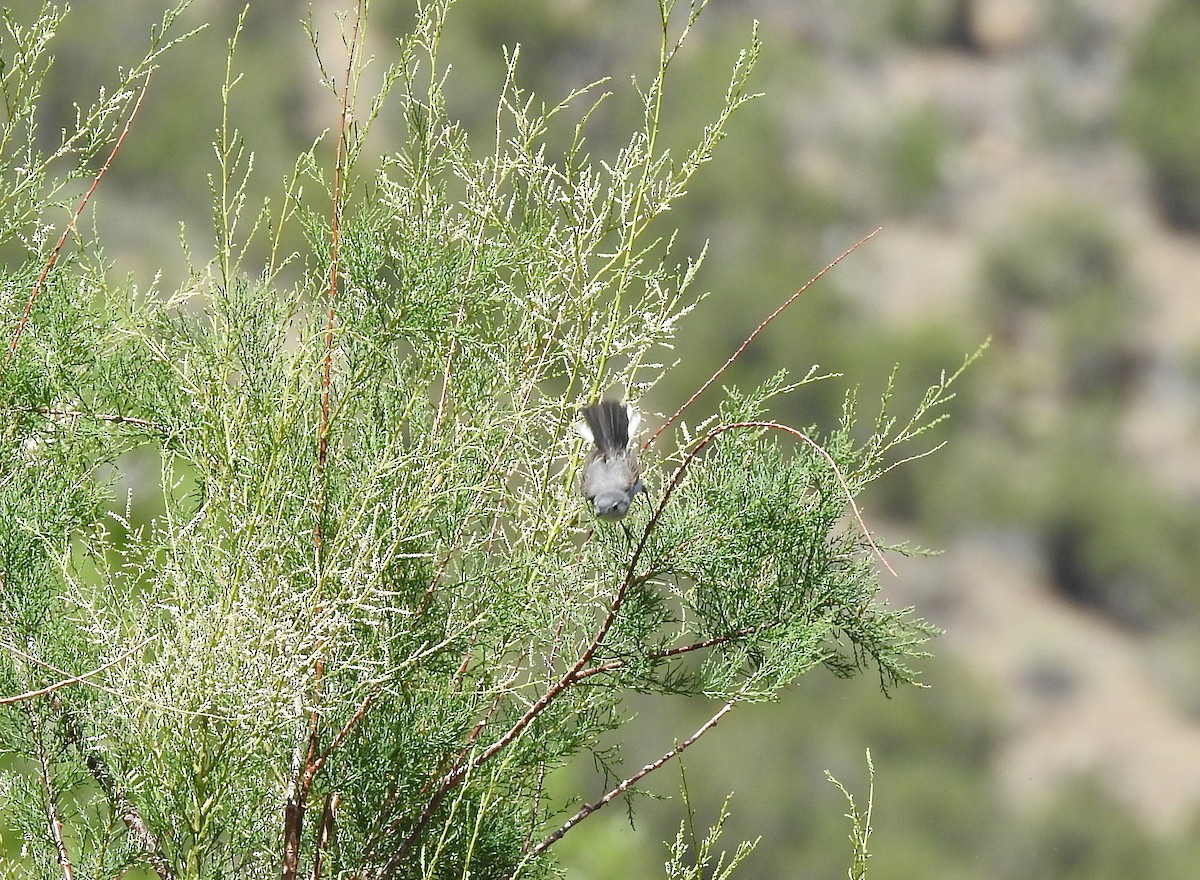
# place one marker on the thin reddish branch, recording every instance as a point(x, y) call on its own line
point(345, 731)
point(434, 802)
point(455, 776)
point(62, 239)
point(293, 822)
point(699, 646)
point(314, 730)
point(787, 429)
point(335, 224)
point(633, 780)
point(776, 426)
point(757, 330)
point(497, 702)
point(297, 802)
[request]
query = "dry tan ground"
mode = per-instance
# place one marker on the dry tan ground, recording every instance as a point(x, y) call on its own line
point(1078, 694)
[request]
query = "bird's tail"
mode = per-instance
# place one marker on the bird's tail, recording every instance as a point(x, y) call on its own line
point(609, 424)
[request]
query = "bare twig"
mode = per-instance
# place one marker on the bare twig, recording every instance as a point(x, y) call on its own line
point(100, 417)
point(75, 679)
point(346, 728)
point(62, 239)
point(56, 826)
point(442, 788)
point(912, 458)
point(298, 787)
point(757, 330)
point(335, 224)
point(633, 780)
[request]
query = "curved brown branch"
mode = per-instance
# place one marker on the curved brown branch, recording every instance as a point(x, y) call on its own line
point(773, 426)
point(587, 809)
point(757, 330)
point(75, 679)
point(62, 239)
point(837, 472)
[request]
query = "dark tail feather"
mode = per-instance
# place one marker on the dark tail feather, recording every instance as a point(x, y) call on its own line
point(609, 422)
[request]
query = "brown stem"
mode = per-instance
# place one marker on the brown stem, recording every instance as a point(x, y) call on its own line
point(345, 731)
point(56, 826)
point(587, 809)
point(293, 824)
point(74, 679)
point(305, 772)
point(757, 330)
point(325, 831)
point(62, 239)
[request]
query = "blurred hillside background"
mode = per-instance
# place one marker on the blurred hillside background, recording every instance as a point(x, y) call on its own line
point(1035, 166)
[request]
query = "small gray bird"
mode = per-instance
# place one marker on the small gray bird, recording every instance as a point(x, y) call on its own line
point(610, 472)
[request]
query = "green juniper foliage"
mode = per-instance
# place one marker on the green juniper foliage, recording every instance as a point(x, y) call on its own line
point(364, 611)
point(692, 857)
